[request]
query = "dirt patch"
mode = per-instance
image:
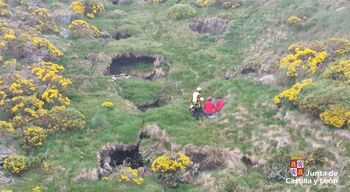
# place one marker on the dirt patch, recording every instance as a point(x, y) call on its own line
point(122, 35)
point(147, 67)
point(213, 25)
point(210, 158)
point(113, 155)
point(155, 104)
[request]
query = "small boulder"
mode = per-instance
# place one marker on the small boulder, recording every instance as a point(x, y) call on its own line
point(4, 153)
point(267, 79)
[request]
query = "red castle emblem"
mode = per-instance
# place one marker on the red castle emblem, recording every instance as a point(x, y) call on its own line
point(297, 167)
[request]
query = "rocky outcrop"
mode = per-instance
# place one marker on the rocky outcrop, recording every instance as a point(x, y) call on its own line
point(213, 25)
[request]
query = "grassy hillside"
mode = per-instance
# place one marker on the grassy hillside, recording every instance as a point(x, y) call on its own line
point(257, 36)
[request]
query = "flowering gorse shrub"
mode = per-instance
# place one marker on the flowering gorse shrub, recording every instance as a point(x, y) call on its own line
point(33, 137)
point(40, 42)
point(336, 116)
point(84, 29)
point(107, 104)
point(292, 93)
point(3, 8)
point(16, 164)
point(43, 20)
point(292, 20)
point(50, 73)
point(340, 46)
point(330, 90)
point(158, 1)
point(181, 11)
point(307, 59)
point(89, 8)
point(129, 175)
point(201, 3)
point(339, 71)
point(171, 170)
point(36, 189)
point(77, 7)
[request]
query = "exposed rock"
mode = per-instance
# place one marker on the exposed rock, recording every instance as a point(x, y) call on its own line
point(122, 2)
point(5, 180)
point(87, 175)
point(154, 132)
point(213, 25)
point(267, 79)
point(62, 16)
point(64, 32)
point(105, 35)
point(4, 153)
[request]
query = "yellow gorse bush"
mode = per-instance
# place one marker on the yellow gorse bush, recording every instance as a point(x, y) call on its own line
point(84, 29)
point(77, 7)
point(53, 96)
point(339, 71)
point(292, 20)
point(107, 104)
point(16, 163)
point(202, 3)
point(7, 126)
point(164, 163)
point(308, 59)
point(129, 175)
point(44, 20)
point(336, 116)
point(292, 93)
point(36, 189)
point(342, 46)
point(49, 73)
point(33, 137)
point(88, 8)
point(40, 42)
point(3, 8)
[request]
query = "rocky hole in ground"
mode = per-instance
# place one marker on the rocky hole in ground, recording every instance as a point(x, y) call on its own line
point(154, 104)
point(114, 155)
point(137, 65)
point(122, 35)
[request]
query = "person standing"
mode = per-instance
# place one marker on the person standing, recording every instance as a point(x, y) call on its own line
point(196, 103)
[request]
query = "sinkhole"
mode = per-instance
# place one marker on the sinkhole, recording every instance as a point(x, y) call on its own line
point(113, 155)
point(136, 65)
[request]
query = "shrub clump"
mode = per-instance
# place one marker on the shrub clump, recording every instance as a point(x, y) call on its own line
point(292, 93)
point(339, 71)
point(225, 4)
point(181, 11)
point(89, 8)
point(293, 20)
point(33, 137)
point(129, 175)
point(16, 164)
point(201, 3)
point(301, 59)
point(171, 169)
point(84, 29)
point(63, 119)
point(277, 169)
point(336, 116)
point(107, 104)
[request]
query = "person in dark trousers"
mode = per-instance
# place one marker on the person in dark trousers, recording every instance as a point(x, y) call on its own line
point(196, 103)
